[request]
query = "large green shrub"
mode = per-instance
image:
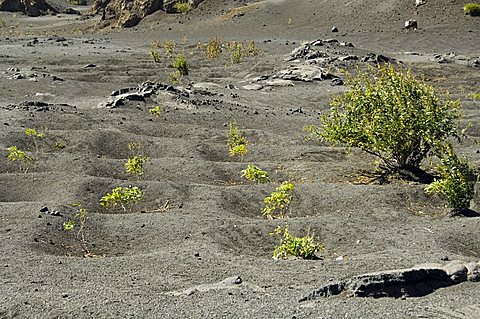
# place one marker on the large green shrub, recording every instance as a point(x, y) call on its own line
point(472, 9)
point(391, 115)
point(457, 180)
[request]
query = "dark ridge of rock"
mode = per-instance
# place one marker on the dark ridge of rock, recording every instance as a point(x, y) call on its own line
point(417, 281)
point(33, 8)
point(128, 13)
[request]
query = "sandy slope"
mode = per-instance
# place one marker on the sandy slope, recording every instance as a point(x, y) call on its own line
point(212, 230)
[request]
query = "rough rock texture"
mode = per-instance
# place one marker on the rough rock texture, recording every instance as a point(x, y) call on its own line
point(410, 282)
point(33, 8)
point(127, 14)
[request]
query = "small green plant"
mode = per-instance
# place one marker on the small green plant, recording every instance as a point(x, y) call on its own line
point(253, 173)
point(169, 46)
point(236, 52)
point(472, 9)
point(174, 77)
point(277, 204)
point(236, 142)
point(182, 7)
point(155, 111)
point(250, 49)
point(134, 165)
point(15, 154)
point(213, 48)
point(122, 196)
point(457, 181)
point(304, 247)
point(60, 145)
point(34, 134)
point(474, 96)
point(391, 115)
point(79, 220)
point(180, 64)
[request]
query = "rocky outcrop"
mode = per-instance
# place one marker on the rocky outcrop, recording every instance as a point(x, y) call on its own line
point(33, 8)
point(409, 282)
point(128, 13)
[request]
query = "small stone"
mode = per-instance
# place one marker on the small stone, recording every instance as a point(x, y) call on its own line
point(411, 24)
point(457, 272)
point(64, 295)
point(334, 29)
point(90, 65)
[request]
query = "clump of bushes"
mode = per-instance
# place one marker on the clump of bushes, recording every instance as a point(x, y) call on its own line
point(389, 114)
point(472, 9)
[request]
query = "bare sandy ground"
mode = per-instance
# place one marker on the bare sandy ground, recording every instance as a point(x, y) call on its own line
point(170, 263)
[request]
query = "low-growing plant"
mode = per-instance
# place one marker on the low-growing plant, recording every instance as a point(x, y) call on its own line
point(473, 96)
point(277, 204)
point(236, 142)
point(174, 77)
point(235, 50)
point(78, 222)
point(180, 64)
point(169, 46)
point(122, 196)
point(134, 164)
point(391, 115)
point(183, 7)
point(253, 173)
point(457, 180)
point(472, 9)
point(250, 49)
point(214, 48)
point(15, 154)
point(304, 247)
point(60, 145)
point(34, 134)
point(155, 111)
point(155, 54)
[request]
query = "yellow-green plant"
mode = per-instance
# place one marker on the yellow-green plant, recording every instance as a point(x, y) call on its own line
point(213, 48)
point(250, 49)
point(389, 114)
point(155, 111)
point(122, 196)
point(277, 204)
point(473, 96)
point(183, 7)
point(236, 142)
point(174, 77)
point(236, 52)
point(34, 134)
point(304, 247)
point(472, 9)
point(457, 180)
point(15, 154)
point(180, 64)
point(253, 173)
point(134, 165)
point(79, 220)
point(169, 46)
point(155, 54)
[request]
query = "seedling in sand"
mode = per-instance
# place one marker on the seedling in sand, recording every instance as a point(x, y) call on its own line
point(235, 50)
point(155, 54)
point(155, 111)
point(236, 142)
point(122, 196)
point(391, 115)
point(472, 9)
point(169, 46)
point(180, 64)
point(277, 204)
point(253, 173)
point(457, 181)
point(303, 247)
point(213, 48)
point(16, 154)
point(474, 96)
point(79, 220)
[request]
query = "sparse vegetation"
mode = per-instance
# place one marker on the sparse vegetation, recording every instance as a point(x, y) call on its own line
point(183, 7)
point(122, 196)
point(457, 180)
point(155, 111)
point(180, 64)
point(214, 48)
point(236, 142)
point(304, 247)
point(235, 50)
point(34, 134)
point(79, 220)
point(472, 9)
point(169, 46)
point(134, 165)
point(15, 154)
point(155, 54)
point(391, 115)
point(277, 204)
point(253, 173)
point(474, 96)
